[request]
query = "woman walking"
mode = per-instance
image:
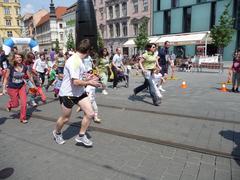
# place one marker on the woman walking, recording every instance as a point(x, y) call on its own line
point(102, 66)
point(148, 63)
point(15, 86)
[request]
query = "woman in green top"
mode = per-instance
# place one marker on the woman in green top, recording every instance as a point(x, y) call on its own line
point(102, 66)
point(148, 62)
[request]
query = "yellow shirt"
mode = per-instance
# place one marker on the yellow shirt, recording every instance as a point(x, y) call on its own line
point(150, 60)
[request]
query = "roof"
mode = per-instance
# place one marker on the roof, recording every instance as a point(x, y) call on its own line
point(70, 9)
point(59, 12)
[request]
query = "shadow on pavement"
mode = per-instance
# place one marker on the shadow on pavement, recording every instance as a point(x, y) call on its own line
point(6, 173)
point(235, 137)
point(2, 120)
point(139, 98)
point(72, 130)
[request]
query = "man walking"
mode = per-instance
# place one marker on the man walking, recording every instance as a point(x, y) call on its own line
point(73, 92)
point(163, 53)
point(116, 66)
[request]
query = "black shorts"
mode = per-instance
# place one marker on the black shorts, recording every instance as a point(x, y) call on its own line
point(70, 101)
point(164, 69)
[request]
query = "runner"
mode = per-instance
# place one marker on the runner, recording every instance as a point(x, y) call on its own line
point(73, 92)
point(16, 86)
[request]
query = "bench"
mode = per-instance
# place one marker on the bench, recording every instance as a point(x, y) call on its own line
point(218, 66)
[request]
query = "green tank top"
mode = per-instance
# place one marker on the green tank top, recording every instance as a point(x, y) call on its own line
point(102, 65)
point(150, 60)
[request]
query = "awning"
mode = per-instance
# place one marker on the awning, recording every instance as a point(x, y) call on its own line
point(131, 43)
point(186, 38)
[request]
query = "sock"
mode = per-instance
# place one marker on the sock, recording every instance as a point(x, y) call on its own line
point(58, 133)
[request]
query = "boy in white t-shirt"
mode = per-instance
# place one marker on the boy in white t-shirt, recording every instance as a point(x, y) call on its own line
point(157, 77)
point(72, 91)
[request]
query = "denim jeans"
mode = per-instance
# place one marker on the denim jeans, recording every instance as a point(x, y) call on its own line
point(149, 83)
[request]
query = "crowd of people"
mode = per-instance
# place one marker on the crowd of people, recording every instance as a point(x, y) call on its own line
point(74, 77)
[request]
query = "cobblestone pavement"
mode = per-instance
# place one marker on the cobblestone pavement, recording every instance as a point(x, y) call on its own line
point(200, 116)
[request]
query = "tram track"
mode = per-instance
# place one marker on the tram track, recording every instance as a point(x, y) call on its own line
point(143, 138)
point(199, 118)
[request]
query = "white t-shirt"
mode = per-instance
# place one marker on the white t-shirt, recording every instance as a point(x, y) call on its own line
point(117, 60)
point(156, 78)
point(91, 90)
point(40, 65)
point(74, 69)
point(88, 63)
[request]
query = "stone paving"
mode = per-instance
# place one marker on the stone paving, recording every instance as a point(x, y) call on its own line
point(32, 153)
point(29, 149)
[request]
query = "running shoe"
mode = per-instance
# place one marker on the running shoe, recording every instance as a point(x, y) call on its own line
point(97, 120)
point(58, 138)
point(84, 140)
point(104, 92)
point(161, 89)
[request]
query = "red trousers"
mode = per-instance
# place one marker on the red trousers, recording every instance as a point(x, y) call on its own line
point(14, 94)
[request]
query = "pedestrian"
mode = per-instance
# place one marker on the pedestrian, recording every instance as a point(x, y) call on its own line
point(4, 64)
point(14, 85)
point(73, 92)
point(236, 73)
point(102, 67)
point(40, 67)
point(163, 54)
point(148, 62)
point(117, 63)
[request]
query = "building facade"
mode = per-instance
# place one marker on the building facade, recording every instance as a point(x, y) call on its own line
point(30, 21)
point(184, 16)
point(10, 21)
point(119, 20)
point(69, 19)
point(49, 29)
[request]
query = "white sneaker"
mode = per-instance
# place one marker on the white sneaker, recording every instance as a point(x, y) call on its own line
point(34, 104)
point(161, 89)
point(104, 92)
point(84, 140)
point(58, 138)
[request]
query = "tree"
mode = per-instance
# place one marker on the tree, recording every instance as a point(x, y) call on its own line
point(57, 48)
point(222, 34)
point(142, 39)
point(70, 42)
point(100, 42)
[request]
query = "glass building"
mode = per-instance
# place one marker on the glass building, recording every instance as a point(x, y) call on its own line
point(187, 16)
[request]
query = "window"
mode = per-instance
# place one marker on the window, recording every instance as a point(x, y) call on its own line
point(17, 11)
point(236, 14)
point(135, 29)
point(158, 5)
point(6, 10)
point(124, 9)
point(9, 34)
point(6, 1)
point(201, 1)
point(101, 2)
point(145, 5)
point(102, 31)
point(101, 13)
point(187, 12)
point(61, 36)
point(175, 3)
point(213, 14)
point(110, 12)
point(117, 11)
point(8, 22)
point(117, 29)
point(135, 6)
point(18, 22)
point(16, 1)
point(60, 26)
point(111, 30)
point(167, 22)
point(124, 29)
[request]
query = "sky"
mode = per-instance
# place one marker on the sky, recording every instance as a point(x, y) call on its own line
point(31, 6)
